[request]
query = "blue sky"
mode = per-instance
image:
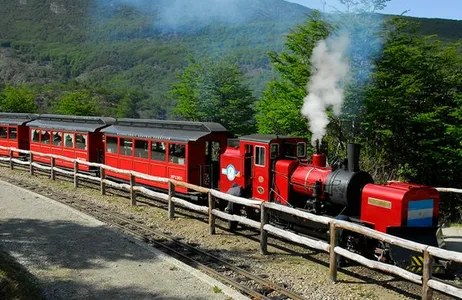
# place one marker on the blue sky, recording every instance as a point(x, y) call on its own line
point(445, 9)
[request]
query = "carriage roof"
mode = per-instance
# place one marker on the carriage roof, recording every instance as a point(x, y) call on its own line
point(184, 131)
point(71, 123)
point(16, 118)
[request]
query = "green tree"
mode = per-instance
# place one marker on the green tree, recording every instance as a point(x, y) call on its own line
point(126, 108)
point(79, 103)
point(365, 28)
point(214, 91)
point(412, 106)
point(279, 109)
point(413, 116)
point(18, 100)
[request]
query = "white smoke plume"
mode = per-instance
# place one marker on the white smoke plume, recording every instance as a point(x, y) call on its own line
point(186, 16)
point(330, 73)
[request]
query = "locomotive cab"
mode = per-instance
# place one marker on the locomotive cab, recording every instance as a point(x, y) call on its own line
point(250, 160)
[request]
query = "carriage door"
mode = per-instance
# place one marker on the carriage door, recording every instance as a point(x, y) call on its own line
point(248, 161)
point(261, 173)
point(211, 169)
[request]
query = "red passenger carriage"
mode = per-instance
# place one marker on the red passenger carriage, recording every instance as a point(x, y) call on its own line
point(14, 132)
point(75, 137)
point(185, 151)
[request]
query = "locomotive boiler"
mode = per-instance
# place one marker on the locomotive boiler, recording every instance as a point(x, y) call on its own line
point(330, 190)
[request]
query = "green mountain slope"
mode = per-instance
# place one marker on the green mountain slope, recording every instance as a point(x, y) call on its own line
point(141, 44)
point(122, 46)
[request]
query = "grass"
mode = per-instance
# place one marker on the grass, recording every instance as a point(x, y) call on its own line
point(455, 225)
point(216, 290)
point(137, 209)
point(15, 281)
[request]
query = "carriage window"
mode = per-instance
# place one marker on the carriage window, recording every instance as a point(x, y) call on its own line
point(248, 149)
point(260, 156)
point(126, 147)
point(158, 151)
point(69, 140)
point(35, 135)
point(177, 153)
point(3, 132)
point(215, 151)
point(81, 141)
point(141, 149)
point(301, 149)
point(215, 148)
point(111, 144)
point(45, 138)
point(274, 150)
point(57, 138)
point(12, 133)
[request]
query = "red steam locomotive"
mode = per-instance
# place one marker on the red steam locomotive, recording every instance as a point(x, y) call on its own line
point(275, 168)
point(264, 167)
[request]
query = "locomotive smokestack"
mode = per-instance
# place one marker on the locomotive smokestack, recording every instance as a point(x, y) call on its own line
point(353, 157)
point(318, 159)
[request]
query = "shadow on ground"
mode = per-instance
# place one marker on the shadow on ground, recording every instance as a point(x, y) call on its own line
point(16, 282)
point(60, 253)
point(63, 244)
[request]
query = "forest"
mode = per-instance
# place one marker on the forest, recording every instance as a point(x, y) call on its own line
point(403, 102)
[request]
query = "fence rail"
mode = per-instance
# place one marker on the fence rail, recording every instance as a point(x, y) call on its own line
point(426, 280)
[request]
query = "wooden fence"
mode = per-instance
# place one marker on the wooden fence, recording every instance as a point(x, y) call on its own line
point(426, 280)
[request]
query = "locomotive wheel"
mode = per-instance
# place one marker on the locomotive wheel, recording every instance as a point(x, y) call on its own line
point(251, 213)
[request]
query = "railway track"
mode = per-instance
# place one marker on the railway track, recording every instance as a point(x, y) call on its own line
point(254, 286)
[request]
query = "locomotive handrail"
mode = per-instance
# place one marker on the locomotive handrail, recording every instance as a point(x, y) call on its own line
point(449, 190)
point(428, 283)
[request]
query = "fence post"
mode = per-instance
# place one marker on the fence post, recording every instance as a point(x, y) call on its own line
point(171, 205)
point(132, 191)
point(264, 218)
point(31, 167)
point(211, 215)
point(333, 255)
point(52, 171)
point(427, 292)
point(102, 176)
point(76, 170)
point(11, 159)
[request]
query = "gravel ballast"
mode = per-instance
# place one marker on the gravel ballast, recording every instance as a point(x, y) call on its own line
point(301, 270)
